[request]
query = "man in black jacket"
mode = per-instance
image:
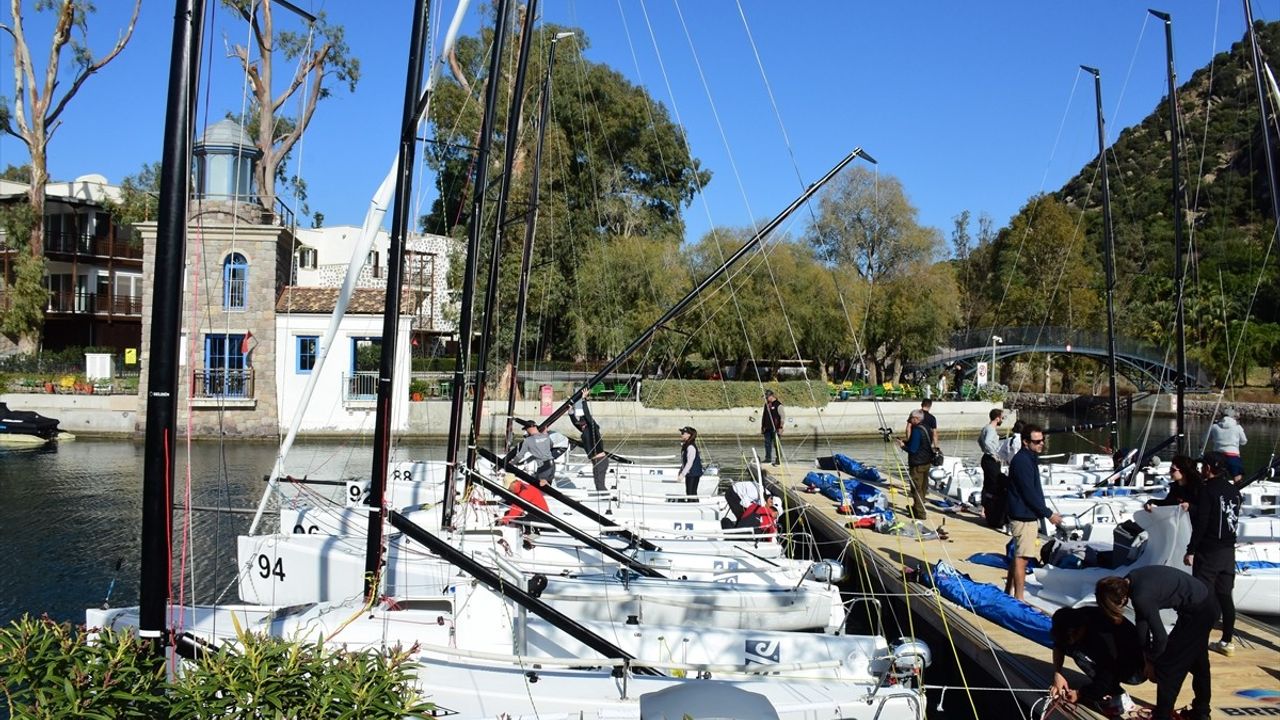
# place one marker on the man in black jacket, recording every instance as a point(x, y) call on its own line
point(1170, 657)
point(1212, 550)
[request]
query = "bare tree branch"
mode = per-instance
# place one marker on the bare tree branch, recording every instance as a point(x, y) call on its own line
point(92, 68)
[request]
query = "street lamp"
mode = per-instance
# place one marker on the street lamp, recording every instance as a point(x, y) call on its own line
point(995, 340)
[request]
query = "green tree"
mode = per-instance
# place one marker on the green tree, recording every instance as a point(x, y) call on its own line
point(321, 58)
point(33, 115)
point(866, 228)
point(139, 197)
point(615, 170)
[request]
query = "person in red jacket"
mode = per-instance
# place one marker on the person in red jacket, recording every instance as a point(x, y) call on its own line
point(526, 492)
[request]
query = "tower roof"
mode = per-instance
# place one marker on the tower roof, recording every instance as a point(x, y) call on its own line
point(227, 133)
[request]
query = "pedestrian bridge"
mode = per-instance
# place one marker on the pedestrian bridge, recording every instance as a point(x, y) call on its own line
point(1145, 365)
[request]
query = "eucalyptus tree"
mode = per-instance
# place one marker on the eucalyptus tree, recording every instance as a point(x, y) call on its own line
point(32, 115)
point(321, 60)
point(866, 229)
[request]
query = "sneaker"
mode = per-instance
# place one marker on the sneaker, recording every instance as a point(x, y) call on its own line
point(1224, 648)
point(776, 463)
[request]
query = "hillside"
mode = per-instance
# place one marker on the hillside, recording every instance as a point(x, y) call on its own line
point(1228, 224)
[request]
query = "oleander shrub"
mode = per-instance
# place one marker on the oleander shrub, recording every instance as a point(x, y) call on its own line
point(51, 670)
point(726, 394)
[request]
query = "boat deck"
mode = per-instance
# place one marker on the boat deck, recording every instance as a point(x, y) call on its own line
point(880, 561)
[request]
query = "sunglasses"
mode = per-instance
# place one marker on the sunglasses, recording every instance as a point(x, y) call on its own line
point(1036, 442)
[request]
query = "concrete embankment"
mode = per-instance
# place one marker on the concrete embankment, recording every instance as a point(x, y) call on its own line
point(90, 415)
point(1162, 404)
point(114, 415)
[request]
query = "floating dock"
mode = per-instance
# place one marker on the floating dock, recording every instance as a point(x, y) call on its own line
point(1247, 684)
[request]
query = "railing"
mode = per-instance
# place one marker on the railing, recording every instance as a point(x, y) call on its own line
point(224, 383)
point(83, 244)
point(80, 302)
point(360, 386)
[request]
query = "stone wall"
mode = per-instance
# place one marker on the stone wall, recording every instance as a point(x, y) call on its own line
point(1096, 406)
point(211, 238)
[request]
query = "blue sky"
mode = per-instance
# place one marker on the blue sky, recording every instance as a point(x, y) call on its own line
point(972, 105)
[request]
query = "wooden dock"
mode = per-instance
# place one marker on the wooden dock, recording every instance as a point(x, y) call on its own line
point(879, 560)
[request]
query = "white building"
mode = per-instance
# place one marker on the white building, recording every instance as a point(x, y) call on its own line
point(345, 391)
point(323, 255)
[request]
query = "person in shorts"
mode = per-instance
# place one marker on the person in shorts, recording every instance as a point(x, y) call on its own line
point(1026, 507)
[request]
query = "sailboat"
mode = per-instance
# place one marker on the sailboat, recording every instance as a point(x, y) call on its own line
point(486, 643)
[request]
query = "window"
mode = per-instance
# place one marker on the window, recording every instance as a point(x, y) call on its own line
point(307, 258)
point(372, 261)
point(307, 348)
point(235, 282)
point(366, 359)
point(226, 372)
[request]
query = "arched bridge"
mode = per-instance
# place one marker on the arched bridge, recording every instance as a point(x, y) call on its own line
point(1147, 366)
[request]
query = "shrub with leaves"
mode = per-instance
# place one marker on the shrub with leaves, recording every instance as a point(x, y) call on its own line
point(50, 670)
point(723, 395)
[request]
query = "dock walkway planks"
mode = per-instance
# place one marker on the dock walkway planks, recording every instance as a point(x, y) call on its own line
point(1003, 653)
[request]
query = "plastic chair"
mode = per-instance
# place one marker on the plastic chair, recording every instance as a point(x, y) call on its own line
point(621, 390)
point(597, 389)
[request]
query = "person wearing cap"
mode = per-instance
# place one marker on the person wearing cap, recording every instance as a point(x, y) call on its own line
point(592, 443)
point(771, 420)
point(1212, 550)
point(690, 461)
point(919, 448)
point(536, 449)
point(1226, 436)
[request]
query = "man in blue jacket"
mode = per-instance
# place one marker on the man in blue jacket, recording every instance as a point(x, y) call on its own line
point(1026, 506)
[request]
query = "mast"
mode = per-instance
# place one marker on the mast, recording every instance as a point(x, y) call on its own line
point(1109, 260)
point(469, 270)
point(1262, 112)
point(684, 302)
point(530, 225)
point(166, 323)
point(391, 316)
point(495, 248)
point(1179, 273)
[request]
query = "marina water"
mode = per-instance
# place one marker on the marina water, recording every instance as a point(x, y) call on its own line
point(70, 515)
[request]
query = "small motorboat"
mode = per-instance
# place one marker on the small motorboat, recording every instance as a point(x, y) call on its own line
point(24, 428)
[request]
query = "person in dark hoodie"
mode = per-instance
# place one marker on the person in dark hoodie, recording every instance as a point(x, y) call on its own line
point(1169, 657)
point(1105, 649)
point(592, 443)
point(1212, 550)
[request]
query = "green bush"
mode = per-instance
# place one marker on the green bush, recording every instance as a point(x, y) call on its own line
point(418, 386)
point(50, 670)
point(723, 395)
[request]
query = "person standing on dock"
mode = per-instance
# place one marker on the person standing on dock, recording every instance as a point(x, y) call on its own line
point(1226, 436)
point(1170, 657)
point(771, 419)
point(1212, 550)
point(592, 443)
point(930, 422)
point(1026, 507)
point(919, 460)
point(989, 443)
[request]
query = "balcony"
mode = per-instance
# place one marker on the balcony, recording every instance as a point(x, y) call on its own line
point(219, 385)
point(86, 303)
point(82, 244)
point(360, 387)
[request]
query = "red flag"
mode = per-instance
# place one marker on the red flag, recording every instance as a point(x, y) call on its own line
point(244, 344)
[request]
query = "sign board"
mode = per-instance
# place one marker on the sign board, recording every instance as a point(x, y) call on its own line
point(545, 408)
point(982, 374)
point(131, 356)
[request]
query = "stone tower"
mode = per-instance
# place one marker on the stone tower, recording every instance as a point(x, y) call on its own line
point(238, 260)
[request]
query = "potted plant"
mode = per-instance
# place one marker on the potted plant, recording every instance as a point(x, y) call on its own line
point(417, 389)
